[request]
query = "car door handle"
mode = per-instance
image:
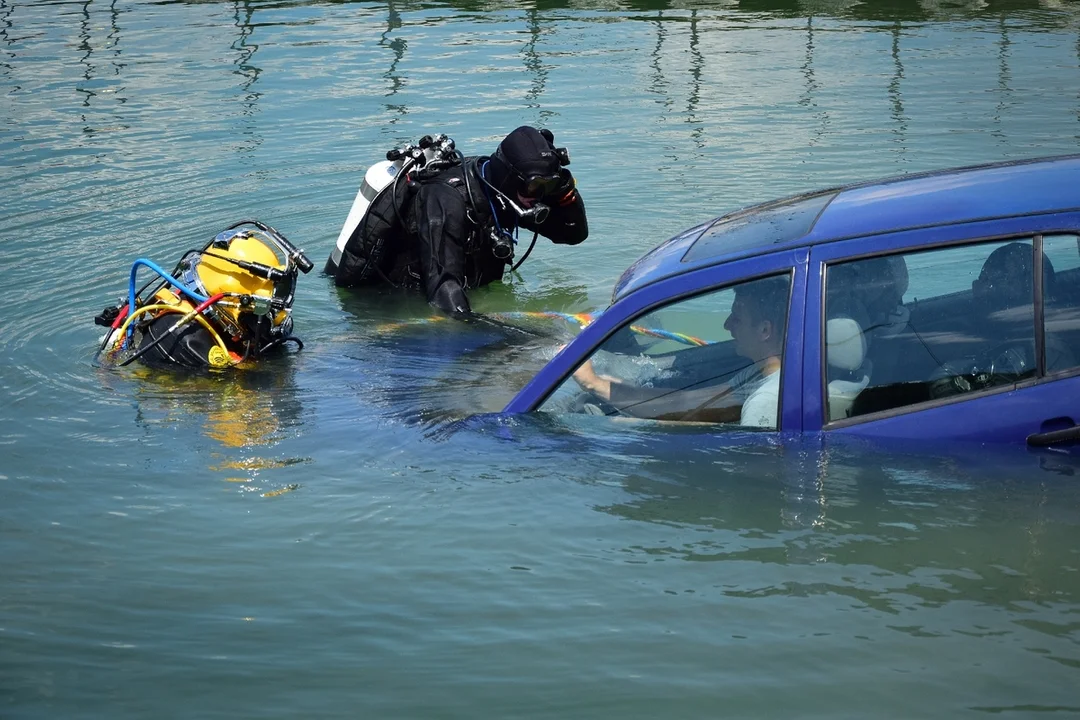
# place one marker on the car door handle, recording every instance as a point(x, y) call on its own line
point(1054, 437)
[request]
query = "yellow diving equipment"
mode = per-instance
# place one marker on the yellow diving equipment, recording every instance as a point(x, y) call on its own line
point(225, 268)
point(230, 301)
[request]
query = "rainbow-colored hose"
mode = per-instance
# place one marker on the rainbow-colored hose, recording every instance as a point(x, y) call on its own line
point(582, 320)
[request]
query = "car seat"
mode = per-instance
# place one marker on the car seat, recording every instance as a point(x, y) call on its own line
point(848, 370)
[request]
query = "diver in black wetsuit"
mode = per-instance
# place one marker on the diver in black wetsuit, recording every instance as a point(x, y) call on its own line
point(458, 223)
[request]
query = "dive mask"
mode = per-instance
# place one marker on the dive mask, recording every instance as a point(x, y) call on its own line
point(538, 186)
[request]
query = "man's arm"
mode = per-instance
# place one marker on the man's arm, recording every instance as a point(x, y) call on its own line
point(599, 385)
point(711, 403)
point(440, 224)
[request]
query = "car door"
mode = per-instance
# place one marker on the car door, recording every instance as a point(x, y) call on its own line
point(676, 327)
point(967, 333)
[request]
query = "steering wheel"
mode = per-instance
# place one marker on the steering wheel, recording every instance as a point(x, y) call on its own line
point(1004, 364)
point(588, 403)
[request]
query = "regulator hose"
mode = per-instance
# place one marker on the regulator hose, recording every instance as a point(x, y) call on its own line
point(165, 276)
point(188, 317)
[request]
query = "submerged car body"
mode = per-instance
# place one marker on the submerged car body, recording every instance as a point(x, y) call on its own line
point(943, 305)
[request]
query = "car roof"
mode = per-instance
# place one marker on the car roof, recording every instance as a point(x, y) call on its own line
point(942, 197)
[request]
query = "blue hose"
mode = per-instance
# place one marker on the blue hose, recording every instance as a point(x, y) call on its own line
point(165, 276)
point(491, 203)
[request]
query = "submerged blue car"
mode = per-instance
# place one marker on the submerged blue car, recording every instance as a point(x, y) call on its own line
point(943, 305)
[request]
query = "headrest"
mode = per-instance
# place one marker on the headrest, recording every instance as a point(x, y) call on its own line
point(1005, 279)
point(845, 346)
point(868, 290)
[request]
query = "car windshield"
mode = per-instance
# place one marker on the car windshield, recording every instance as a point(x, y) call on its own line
point(760, 226)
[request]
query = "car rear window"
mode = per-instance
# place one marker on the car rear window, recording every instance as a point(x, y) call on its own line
point(760, 226)
point(929, 325)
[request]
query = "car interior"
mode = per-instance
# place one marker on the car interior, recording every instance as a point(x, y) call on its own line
point(667, 371)
point(677, 362)
point(955, 343)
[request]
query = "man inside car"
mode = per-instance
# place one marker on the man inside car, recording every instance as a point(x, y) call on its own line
point(750, 397)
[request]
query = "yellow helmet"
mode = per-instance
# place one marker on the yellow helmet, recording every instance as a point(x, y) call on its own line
point(260, 282)
point(218, 271)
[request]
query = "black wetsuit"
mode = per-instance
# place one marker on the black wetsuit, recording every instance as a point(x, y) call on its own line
point(451, 219)
point(439, 229)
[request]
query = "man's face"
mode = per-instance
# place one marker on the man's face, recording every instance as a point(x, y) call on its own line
point(749, 335)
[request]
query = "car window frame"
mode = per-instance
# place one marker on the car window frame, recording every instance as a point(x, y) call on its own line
point(1028, 227)
point(1040, 311)
point(669, 291)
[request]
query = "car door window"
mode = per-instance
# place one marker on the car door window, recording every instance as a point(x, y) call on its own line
point(929, 325)
point(714, 357)
point(1061, 302)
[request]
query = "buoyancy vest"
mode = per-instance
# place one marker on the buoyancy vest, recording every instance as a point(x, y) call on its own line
point(381, 249)
point(371, 253)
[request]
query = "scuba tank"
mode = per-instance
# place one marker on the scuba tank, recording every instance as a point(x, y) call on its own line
point(374, 230)
point(377, 177)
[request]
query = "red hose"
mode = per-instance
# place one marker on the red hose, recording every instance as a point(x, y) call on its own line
point(120, 318)
point(208, 302)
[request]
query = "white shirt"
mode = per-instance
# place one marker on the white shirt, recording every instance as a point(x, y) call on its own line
point(760, 396)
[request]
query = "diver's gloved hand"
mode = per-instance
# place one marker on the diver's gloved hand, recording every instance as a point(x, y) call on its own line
point(450, 298)
point(565, 192)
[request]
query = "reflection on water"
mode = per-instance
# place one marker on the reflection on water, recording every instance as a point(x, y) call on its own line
point(1004, 80)
point(249, 74)
point(534, 64)
point(97, 80)
point(915, 10)
point(397, 46)
point(938, 548)
point(895, 96)
point(808, 99)
point(246, 413)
